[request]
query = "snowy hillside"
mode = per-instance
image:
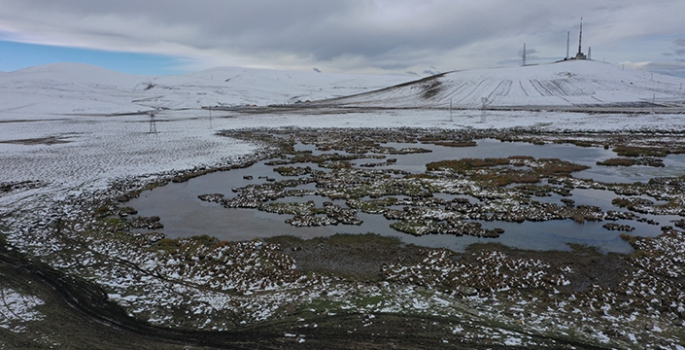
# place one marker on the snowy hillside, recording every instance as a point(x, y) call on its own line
point(571, 83)
point(79, 89)
point(71, 88)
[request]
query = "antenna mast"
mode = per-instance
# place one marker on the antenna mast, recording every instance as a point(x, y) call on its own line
point(568, 43)
point(580, 36)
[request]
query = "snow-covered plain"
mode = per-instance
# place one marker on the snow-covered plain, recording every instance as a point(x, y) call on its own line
point(69, 127)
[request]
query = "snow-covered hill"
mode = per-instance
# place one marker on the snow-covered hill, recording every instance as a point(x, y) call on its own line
point(570, 83)
point(72, 88)
point(79, 89)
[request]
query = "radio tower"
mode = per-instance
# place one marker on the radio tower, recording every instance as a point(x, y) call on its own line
point(580, 36)
point(580, 55)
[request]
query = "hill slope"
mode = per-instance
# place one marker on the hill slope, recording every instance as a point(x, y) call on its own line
point(571, 83)
point(72, 88)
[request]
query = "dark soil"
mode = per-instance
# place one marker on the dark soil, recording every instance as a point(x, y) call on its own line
point(352, 256)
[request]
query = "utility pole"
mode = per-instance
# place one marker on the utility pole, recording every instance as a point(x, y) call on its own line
point(210, 117)
point(450, 110)
point(482, 117)
point(524, 55)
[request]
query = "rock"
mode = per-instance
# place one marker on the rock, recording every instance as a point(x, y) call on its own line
point(467, 291)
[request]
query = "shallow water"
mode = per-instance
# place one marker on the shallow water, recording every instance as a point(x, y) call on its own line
point(184, 215)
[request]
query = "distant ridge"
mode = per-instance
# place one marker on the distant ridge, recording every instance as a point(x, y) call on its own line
point(75, 88)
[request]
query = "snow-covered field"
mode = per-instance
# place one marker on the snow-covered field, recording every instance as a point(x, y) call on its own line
point(61, 125)
point(98, 150)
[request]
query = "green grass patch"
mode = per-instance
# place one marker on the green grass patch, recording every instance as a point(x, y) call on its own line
point(465, 164)
point(632, 151)
point(348, 238)
point(618, 162)
point(456, 143)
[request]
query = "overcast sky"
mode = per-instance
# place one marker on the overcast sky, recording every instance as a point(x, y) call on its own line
point(365, 36)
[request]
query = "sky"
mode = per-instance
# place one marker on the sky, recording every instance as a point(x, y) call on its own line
point(163, 37)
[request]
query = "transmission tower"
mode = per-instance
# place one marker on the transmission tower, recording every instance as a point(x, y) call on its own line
point(153, 125)
point(485, 102)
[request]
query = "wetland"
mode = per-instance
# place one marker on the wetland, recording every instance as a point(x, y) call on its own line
point(375, 238)
point(436, 189)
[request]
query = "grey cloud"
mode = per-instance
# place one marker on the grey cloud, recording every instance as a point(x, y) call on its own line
point(350, 34)
point(678, 48)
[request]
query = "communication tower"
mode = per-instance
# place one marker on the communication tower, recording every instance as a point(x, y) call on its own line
point(580, 55)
